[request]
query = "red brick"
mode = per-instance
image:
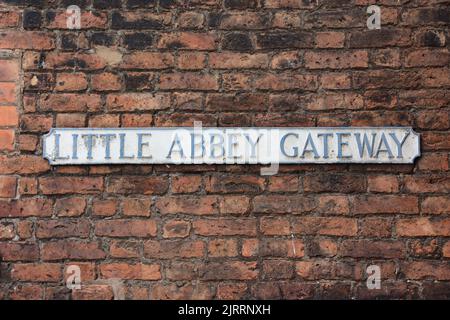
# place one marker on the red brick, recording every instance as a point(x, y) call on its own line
point(335, 81)
point(234, 205)
point(222, 248)
point(422, 184)
point(29, 40)
point(172, 291)
point(136, 120)
point(325, 226)
point(65, 185)
point(285, 81)
point(230, 270)
point(36, 123)
point(147, 60)
point(137, 101)
point(286, 60)
point(231, 291)
point(286, 20)
point(124, 249)
point(106, 82)
point(19, 251)
point(176, 229)
point(434, 162)
point(44, 272)
point(232, 60)
point(106, 207)
point(330, 39)
point(136, 207)
point(418, 270)
point(334, 183)
point(89, 20)
point(283, 183)
point(389, 58)
point(188, 80)
point(191, 60)
point(225, 227)
point(188, 40)
point(7, 138)
point(170, 249)
point(372, 249)
point(130, 271)
point(384, 204)
point(28, 142)
point(9, 19)
point(6, 231)
point(70, 102)
point(26, 207)
point(384, 183)
point(138, 185)
point(94, 292)
point(423, 227)
point(436, 205)
point(24, 229)
point(71, 82)
point(446, 249)
point(341, 60)
point(62, 229)
point(322, 269)
point(70, 120)
point(427, 58)
point(24, 164)
point(433, 120)
point(196, 205)
point(186, 184)
point(104, 121)
point(8, 186)
point(126, 228)
point(275, 226)
point(281, 204)
point(27, 292)
point(8, 117)
point(70, 207)
point(376, 227)
point(292, 248)
point(71, 249)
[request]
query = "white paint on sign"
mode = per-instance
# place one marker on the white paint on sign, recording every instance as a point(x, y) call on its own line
point(186, 145)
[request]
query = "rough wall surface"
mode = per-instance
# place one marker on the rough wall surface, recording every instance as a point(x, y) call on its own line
point(200, 232)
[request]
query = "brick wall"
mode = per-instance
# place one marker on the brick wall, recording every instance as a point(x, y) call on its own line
point(158, 232)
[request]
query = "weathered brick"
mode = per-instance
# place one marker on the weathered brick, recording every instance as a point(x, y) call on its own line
point(66, 185)
point(29, 40)
point(170, 249)
point(138, 185)
point(130, 271)
point(423, 227)
point(8, 186)
point(62, 229)
point(225, 227)
point(71, 249)
point(384, 204)
point(19, 251)
point(341, 60)
point(45, 272)
point(137, 101)
point(372, 249)
point(197, 205)
point(176, 229)
point(325, 226)
point(26, 207)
